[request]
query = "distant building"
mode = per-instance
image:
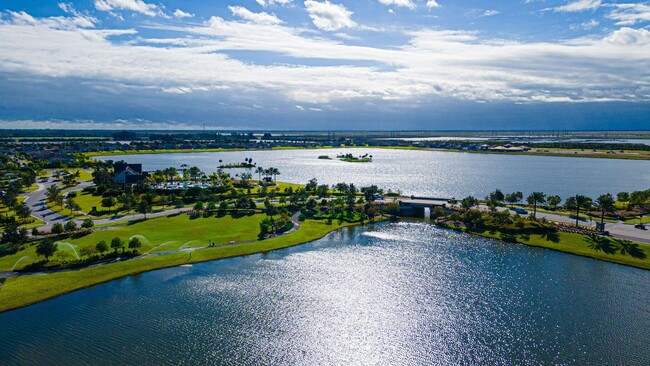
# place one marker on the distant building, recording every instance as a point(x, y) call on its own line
point(128, 173)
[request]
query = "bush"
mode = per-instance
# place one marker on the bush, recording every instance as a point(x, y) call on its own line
point(70, 226)
point(57, 228)
point(72, 194)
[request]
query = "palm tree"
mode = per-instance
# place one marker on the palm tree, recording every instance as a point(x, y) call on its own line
point(259, 172)
point(534, 199)
point(275, 172)
point(605, 203)
point(578, 202)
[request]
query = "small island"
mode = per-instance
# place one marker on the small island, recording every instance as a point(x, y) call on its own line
point(355, 159)
point(247, 163)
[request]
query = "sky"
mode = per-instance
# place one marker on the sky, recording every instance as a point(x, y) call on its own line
point(325, 64)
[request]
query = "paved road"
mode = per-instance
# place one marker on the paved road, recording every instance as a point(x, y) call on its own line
point(618, 230)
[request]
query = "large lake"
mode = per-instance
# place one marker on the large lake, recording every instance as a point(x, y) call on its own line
point(431, 173)
point(390, 294)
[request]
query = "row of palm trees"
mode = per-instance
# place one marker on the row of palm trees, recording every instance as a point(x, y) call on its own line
point(195, 174)
point(604, 203)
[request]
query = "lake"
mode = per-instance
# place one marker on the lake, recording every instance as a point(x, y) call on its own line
point(430, 173)
point(404, 293)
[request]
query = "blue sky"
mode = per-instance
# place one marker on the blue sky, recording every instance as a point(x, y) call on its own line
point(317, 64)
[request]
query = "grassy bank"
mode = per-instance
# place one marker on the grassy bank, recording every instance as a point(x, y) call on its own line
point(25, 290)
point(578, 244)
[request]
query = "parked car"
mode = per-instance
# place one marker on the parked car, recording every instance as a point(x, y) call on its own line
point(521, 211)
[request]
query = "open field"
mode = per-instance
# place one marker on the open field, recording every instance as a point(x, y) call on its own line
point(156, 234)
point(24, 290)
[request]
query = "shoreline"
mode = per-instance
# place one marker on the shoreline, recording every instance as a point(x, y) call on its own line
point(596, 255)
point(152, 263)
point(41, 292)
point(564, 154)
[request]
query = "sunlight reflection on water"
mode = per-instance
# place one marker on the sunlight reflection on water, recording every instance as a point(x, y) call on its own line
point(387, 294)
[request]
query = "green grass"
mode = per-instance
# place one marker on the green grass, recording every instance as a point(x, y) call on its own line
point(24, 290)
point(174, 232)
point(644, 219)
point(577, 244)
point(29, 223)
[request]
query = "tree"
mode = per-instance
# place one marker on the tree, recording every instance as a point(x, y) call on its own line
point(311, 185)
point(46, 248)
point(117, 243)
point(109, 202)
point(576, 203)
point(52, 193)
point(534, 199)
point(623, 197)
point(71, 205)
point(135, 243)
point(496, 196)
point(101, 247)
point(468, 202)
point(23, 211)
point(553, 201)
point(370, 193)
point(70, 226)
point(144, 208)
point(57, 228)
point(244, 178)
point(259, 172)
point(514, 197)
point(87, 224)
point(605, 203)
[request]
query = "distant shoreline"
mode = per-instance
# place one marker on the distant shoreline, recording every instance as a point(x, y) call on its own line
point(568, 153)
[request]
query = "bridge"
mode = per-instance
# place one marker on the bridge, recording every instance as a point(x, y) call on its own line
point(418, 206)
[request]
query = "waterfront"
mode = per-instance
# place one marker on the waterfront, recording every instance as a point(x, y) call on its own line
point(429, 173)
point(389, 294)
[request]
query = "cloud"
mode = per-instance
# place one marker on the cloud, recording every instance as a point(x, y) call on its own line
point(181, 14)
point(193, 59)
point(328, 16)
point(432, 4)
point(137, 6)
point(401, 3)
point(579, 5)
point(259, 18)
point(628, 37)
point(588, 25)
point(629, 14)
point(489, 13)
point(266, 3)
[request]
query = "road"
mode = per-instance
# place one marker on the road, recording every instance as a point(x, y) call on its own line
point(36, 202)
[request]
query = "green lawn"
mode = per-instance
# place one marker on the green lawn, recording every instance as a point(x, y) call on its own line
point(24, 290)
point(29, 223)
point(579, 244)
point(644, 219)
point(156, 234)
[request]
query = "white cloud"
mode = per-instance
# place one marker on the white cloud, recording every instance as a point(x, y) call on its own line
point(441, 63)
point(328, 16)
point(579, 5)
point(628, 36)
point(181, 14)
point(432, 4)
point(266, 3)
point(629, 14)
point(588, 25)
point(401, 3)
point(137, 6)
point(259, 18)
point(489, 13)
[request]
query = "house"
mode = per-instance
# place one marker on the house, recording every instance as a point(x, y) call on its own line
point(128, 173)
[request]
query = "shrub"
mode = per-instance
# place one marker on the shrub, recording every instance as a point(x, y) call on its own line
point(57, 228)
